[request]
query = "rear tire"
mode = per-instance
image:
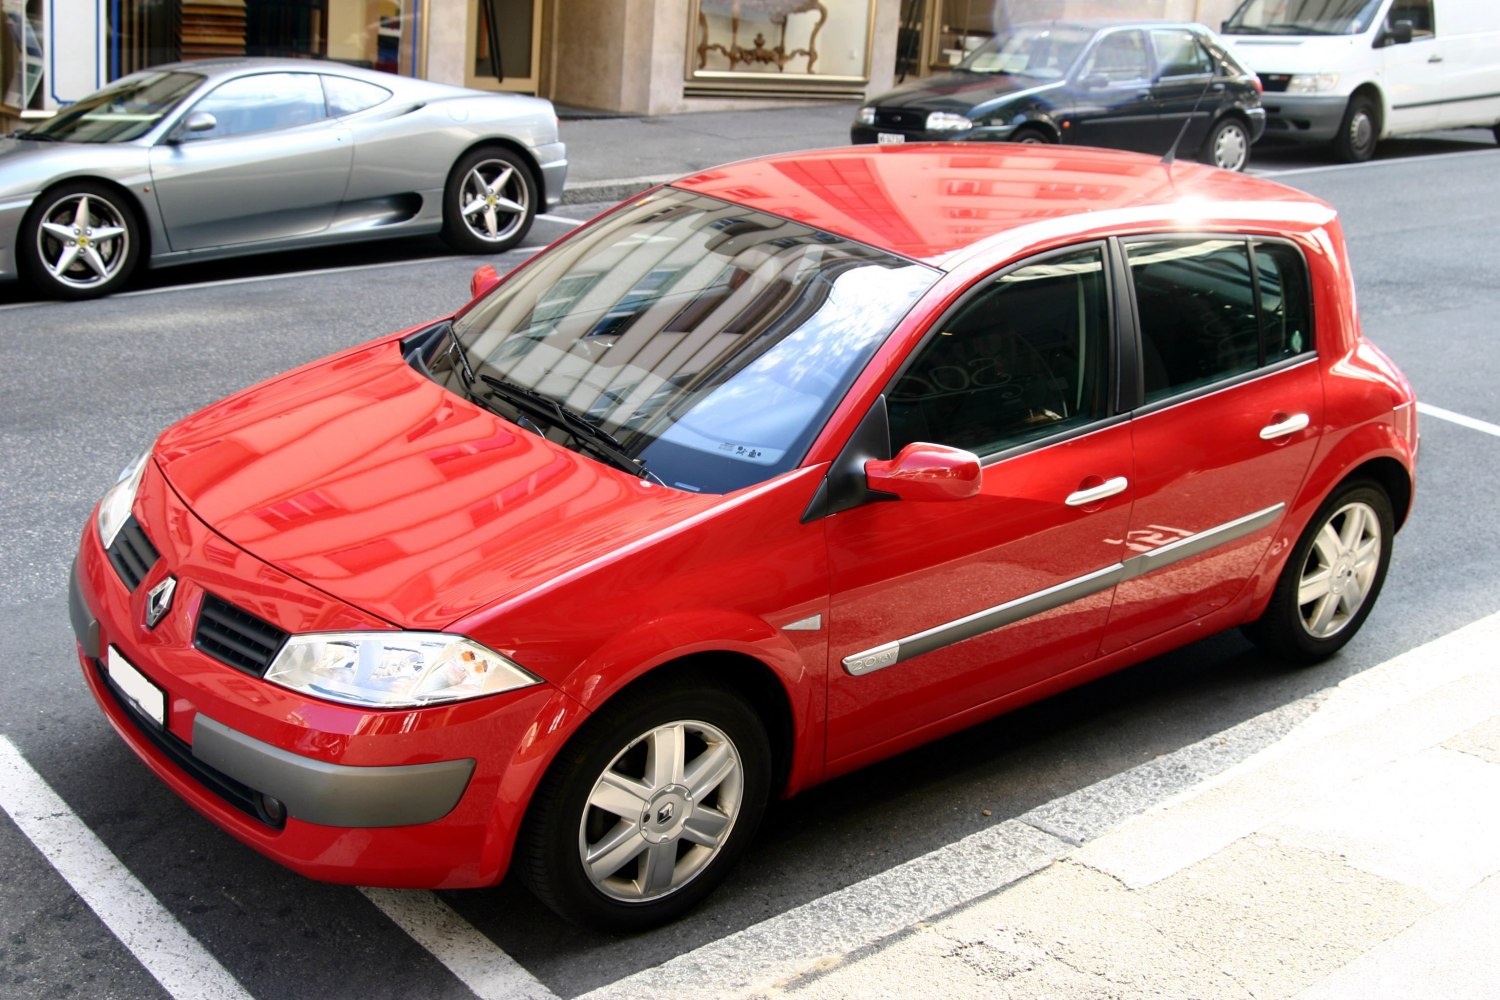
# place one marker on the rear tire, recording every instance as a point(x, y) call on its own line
point(1358, 132)
point(1227, 145)
point(1331, 581)
point(489, 202)
point(648, 807)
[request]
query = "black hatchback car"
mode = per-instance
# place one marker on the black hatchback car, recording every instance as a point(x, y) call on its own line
point(1121, 85)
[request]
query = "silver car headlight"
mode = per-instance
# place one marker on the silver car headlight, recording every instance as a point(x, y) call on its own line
point(866, 116)
point(1312, 83)
point(394, 669)
point(946, 121)
point(114, 507)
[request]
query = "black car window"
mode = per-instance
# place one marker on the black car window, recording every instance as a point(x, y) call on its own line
point(260, 103)
point(1119, 56)
point(1024, 357)
point(1418, 12)
point(346, 96)
point(1204, 316)
point(1179, 53)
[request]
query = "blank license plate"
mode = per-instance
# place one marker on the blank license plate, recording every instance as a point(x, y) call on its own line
point(144, 695)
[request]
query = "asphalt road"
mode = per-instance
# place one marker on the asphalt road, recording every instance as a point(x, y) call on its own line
point(86, 386)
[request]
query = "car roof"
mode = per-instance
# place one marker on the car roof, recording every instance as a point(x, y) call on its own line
point(931, 201)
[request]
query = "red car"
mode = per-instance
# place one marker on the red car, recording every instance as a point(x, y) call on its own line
point(760, 477)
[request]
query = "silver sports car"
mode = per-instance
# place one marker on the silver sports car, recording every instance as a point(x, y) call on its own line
point(196, 160)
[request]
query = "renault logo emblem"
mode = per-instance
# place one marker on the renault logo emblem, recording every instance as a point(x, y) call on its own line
point(159, 601)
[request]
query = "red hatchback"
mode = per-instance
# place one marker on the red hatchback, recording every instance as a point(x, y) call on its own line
point(758, 478)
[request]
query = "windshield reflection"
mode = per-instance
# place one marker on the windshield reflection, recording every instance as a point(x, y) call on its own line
point(1302, 17)
point(712, 340)
point(123, 111)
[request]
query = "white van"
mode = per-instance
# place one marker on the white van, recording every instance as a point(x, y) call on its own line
point(1354, 72)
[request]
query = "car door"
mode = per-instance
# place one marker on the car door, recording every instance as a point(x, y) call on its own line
point(1232, 405)
point(1185, 86)
point(1112, 101)
point(1413, 72)
point(272, 166)
point(938, 608)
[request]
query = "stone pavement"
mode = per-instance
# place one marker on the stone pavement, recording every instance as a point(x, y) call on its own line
point(1357, 857)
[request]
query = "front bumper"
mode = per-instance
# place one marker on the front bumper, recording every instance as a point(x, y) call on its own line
point(1303, 117)
point(428, 797)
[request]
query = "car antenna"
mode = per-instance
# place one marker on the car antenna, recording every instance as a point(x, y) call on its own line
point(1171, 156)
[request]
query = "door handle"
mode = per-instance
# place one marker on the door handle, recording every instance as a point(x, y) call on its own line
point(1290, 425)
point(1434, 59)
point(1108, 488)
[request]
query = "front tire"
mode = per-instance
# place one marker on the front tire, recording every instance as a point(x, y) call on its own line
point(647, 808)
point(80, 241)
point(489, 202)
point(1227, 145)
point(1358, 132)
point(1332, 579)
point(1031, 135)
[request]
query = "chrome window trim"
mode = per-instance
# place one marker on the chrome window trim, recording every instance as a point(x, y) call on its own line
point(929, 640)
point(1307, 357)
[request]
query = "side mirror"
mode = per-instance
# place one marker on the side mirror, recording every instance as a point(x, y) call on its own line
point(1399, 34)
point(926, 472)
point(485, 278)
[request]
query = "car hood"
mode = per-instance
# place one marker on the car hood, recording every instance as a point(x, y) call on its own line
point(1292, 53)
point(960, 92)
point(27, 166)
point(365, 479)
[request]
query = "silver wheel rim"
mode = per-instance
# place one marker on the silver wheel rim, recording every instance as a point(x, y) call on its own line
point(493, 200)
point(1340, 570)
point(1361, 131)
point(661, 811)
point(83, 240)
point(1231, 146)
point(1031, 139)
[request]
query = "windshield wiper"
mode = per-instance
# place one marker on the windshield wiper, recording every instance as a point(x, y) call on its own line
point(583, 430)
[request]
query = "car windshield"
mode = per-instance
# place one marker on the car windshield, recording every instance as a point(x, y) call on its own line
point(1302, 17)
point(1042, 51)
point(125, 110)
point(709, 341)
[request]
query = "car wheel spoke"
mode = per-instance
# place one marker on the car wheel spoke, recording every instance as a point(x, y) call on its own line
point(708, 770)
point(660, 869)
point(664, 757)
point(90, 256)
point(622, 845)
point(706, 827)
point(620, 795)
point(1315, 586)
point(65, 260)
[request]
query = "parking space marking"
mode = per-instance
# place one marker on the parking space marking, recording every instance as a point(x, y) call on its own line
point(476, 960)
point(162, 945)
point(1395, 161)
point(1437, 412)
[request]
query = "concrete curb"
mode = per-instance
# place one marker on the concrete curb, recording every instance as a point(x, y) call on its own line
point(609, 192)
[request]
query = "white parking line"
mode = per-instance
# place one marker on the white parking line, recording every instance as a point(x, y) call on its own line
point(162, 945)
point(1409, 160)
point(476, 960)
point(1437, 412)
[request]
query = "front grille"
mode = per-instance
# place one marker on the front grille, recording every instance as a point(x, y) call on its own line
point(132, 554)
point(236, 637)
point(179, 752)
point(901, 118)
point(1275, 83)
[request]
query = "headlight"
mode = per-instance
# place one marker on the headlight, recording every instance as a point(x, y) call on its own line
point(393, 669)
point(114, 508)
point(944, 121)
point(1312, 83)
point(866, 116)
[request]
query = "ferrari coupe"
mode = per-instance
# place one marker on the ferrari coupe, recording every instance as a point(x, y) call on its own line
point(197, 160)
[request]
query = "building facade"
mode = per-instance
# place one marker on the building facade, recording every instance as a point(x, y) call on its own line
point(642, 57)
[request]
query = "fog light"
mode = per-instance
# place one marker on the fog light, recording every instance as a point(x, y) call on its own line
point(272, 810)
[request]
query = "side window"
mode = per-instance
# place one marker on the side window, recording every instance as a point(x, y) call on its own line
point(1119, 56)
point(1202, 315)
point(261, 103)
point(346, 96)
point(1285, 305)
point(1179, 53)
point(1023, 358)
point(1418, 12)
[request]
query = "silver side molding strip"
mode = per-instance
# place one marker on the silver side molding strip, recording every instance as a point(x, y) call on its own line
point(891, 653)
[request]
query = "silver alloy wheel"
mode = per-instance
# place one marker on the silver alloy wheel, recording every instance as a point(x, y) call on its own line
point(661, 811)
point(493, 200)
point(1231, 147)
point(83, 240)
point(1342, 565)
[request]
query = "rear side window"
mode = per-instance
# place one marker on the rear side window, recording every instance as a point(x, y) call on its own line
point(346, 96)
point(1210, 309)
point(1178, 53)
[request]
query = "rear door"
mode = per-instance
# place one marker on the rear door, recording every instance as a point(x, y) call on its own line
point(1186, 86)
point(274, 166)
point(1113, 105)
point(1232, 408)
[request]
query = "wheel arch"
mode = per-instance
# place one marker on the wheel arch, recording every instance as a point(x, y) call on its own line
point(533, 169)
point(1371, 90)
point(146, 222)
point(1392, 477)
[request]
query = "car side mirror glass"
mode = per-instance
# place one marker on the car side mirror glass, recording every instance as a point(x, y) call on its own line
point(925, 471)
point(1400, 33)
point(485, 278)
